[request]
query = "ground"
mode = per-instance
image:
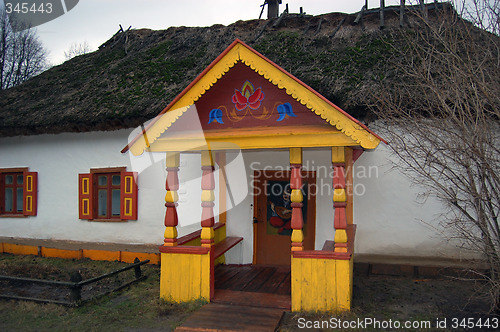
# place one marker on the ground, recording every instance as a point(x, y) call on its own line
point(138, 308)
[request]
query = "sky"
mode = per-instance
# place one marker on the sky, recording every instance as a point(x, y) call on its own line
point(96, 21)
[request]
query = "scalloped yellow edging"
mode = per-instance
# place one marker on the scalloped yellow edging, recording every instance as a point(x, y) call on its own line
point(275, 75)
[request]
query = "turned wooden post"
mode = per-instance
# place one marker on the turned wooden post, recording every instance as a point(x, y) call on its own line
point(207, 199)
point(339, 198)
point(296, 197)
point(171, 198)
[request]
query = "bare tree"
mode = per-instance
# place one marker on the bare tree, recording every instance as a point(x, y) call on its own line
point(441, 119)
point(22, 55)
point(483, 13)
point(77, 49)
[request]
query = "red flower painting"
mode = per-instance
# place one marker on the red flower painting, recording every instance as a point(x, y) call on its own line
point(247, 97)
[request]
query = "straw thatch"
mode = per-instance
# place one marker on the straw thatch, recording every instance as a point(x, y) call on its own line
point(135, 74)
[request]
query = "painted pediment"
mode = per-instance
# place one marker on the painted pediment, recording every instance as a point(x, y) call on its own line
point(244, 98)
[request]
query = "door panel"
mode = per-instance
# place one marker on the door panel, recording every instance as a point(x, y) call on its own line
point(272, 213)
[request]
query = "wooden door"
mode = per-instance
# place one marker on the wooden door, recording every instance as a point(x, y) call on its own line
point(272, 213)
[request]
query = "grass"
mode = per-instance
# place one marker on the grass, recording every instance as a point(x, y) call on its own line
point(136, 307)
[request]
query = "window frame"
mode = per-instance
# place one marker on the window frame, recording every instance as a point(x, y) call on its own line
point(89, 199)
point(108, 187)
point(30, 196)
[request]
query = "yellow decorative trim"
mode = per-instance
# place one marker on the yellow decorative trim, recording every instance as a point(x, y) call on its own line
point(171, 196)
point(163, 123)
point(338, 154)
point(276, 76)
point(207, 196)
point(173, 159)
point(207, 233)
point(170, 232)
point(85, 185)
point(297, 235)
point(206, 158)
point(296, 196)
point(127, 207)
point(258, 141)
point(128, 184)
point(295, 155)
point(340, 236)
point(85, 206)
point(307, 98)
point(339, 195)
point(28, 204)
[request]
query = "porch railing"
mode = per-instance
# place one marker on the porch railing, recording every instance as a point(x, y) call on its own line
point(322, 279)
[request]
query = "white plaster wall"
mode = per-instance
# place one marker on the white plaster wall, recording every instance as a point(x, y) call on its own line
point(239, 219)
point(392, 216)
point(390, 219)
point(59, 159)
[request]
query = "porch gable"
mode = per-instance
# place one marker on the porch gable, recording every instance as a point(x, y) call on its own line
point(241, 76)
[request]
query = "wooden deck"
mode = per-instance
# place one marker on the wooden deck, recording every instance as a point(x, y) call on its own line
point(247, 298)
point(253, 285)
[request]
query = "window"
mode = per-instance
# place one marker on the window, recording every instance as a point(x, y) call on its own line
point(108, 194)
point(18, 192)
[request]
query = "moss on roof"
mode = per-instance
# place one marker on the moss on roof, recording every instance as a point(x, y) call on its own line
point(135, 74)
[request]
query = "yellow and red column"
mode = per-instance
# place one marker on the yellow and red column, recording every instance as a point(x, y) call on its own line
point(171, 198)
point(207, 199)
point(297, 221)
point(339, 198)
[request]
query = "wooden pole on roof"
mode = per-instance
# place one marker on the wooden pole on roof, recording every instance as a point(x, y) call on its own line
point(423, 9)
point(382, 8)
point(273, 8)
point(401, 12)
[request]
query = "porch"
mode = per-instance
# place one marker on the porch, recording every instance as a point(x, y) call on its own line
point(245, 102)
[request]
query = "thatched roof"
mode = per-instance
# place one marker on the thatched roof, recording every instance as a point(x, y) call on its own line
point(135, 74)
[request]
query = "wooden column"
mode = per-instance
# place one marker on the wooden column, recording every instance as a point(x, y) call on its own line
point(297, 221)
point(171, 198)
point(339, 198)
point(207, 199)
point(220, 158)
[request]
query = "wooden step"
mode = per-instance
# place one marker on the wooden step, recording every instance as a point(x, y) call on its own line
point(222, 317)
point(252, 299)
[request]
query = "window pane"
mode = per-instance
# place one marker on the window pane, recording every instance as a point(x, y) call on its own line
point(115, 180)
point(115, 203)
point(9, 179)
point(19, 179)
point(19, 200)
point(102, 180)
point(102, 203)
point(8, 200)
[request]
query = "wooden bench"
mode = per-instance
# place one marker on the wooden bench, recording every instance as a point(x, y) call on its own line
point(329, 246)
point(226, 244)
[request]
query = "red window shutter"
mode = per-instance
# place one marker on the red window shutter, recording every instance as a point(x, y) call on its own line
point(30, 193)
point(2, 191)
point(85, 206)
point(128, 206)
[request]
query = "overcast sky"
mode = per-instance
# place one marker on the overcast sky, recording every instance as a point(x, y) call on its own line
point(95, 21)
